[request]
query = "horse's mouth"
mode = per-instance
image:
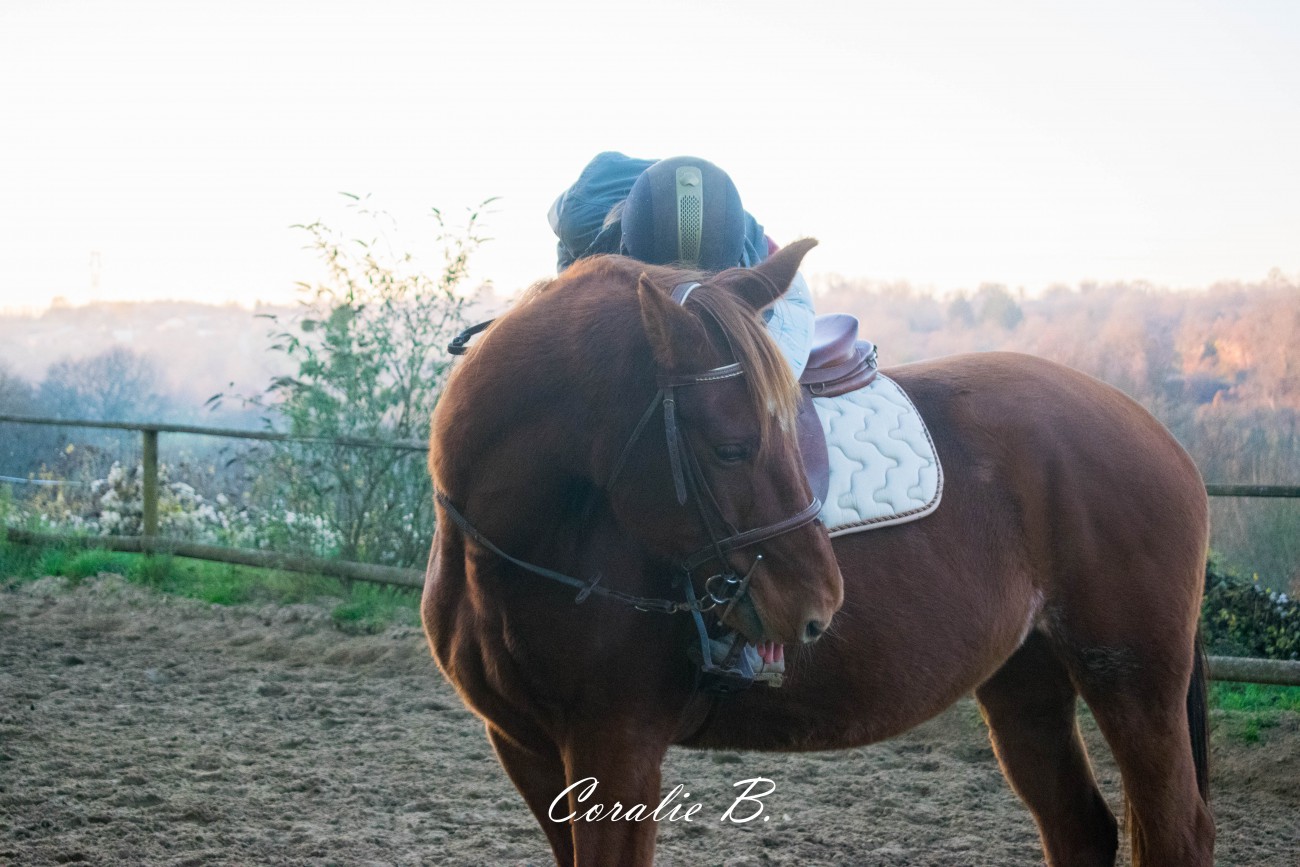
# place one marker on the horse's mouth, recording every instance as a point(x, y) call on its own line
point(742, 616)
point(764, 662)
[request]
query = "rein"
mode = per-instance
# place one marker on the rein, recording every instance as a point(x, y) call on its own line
point(585, 588)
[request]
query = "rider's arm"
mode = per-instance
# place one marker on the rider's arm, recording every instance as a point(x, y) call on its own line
point(790, 322)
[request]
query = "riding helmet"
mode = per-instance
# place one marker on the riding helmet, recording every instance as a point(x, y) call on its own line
point(684, 211)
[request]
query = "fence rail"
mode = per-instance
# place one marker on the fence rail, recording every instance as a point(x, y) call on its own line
point(1248, 670)
point(230, 433)
point(1244, 669)
point(1288, 491)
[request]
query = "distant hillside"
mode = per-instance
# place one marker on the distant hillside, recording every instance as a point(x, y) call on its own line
point(199, 348)
point(1233, 343)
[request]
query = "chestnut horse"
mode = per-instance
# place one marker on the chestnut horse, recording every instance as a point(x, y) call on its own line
point(1065, 560)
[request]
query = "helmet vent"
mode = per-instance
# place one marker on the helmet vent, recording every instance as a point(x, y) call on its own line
point(690, 214)
point(690, 217)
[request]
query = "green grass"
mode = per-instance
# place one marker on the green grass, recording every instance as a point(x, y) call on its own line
point(1254, 697)
point(360, 608)
point(1247, 709)
point(18, 561)
point(357, 608)
point(371, 607)
point(79, 565)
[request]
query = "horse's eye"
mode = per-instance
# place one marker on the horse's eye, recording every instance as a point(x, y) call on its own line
point(731, 453)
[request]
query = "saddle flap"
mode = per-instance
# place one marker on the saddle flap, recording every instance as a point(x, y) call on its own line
point(812, 446)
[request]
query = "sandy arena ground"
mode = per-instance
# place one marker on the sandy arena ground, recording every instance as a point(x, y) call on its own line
point(137, 728)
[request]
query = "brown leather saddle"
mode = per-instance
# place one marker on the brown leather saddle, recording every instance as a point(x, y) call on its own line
point(839, 363)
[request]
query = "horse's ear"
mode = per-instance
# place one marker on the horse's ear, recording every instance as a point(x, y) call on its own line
point(761, 285)
point(673, 332)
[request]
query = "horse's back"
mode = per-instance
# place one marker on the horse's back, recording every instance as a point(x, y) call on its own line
point(1024, 412)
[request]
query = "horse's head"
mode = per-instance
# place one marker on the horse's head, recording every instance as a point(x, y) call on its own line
point(680, 416)
point(732, 401)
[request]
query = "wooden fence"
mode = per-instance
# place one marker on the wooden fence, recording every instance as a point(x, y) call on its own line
point(1231, 668)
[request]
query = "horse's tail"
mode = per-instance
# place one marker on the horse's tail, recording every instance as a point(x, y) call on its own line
point(1198, 717)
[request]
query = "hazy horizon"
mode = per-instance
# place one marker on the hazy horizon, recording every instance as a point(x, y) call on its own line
point(822, 284)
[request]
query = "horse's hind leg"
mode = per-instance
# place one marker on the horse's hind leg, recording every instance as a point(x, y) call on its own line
point(1030, 709)
point(538, 774)
point(1145, 722)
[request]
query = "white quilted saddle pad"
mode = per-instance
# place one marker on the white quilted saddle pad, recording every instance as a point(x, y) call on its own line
point(884, 469)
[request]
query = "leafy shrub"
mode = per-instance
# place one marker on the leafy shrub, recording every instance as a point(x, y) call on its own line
point(369, 344)
point(114, 506)
point(1242, 617)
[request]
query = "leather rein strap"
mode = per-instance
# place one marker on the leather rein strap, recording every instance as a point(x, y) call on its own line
point(688, 482)
point(585, 588)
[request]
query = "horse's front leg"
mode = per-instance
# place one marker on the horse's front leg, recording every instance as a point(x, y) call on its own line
point(613, 776)
point(537, 771)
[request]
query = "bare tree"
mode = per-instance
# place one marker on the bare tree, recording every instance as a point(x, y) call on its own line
point(115, 385)
point(16, 393)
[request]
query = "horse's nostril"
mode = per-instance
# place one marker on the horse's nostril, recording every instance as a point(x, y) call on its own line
point(813, 631)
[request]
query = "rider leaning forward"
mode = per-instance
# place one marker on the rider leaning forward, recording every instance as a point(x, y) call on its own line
point(680, 211)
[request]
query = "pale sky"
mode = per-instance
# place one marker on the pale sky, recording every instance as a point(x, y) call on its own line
point(166, 147)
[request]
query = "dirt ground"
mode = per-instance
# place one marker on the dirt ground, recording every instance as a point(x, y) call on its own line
point(142, 729)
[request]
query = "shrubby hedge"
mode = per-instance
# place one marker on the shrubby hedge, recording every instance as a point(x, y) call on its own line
point(1241, 617)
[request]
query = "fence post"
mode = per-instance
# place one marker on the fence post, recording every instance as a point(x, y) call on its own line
point(150, 485)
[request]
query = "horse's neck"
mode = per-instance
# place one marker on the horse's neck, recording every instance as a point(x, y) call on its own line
point(520, 472)
point(524, 483)
point(573, 533)
point(521, 466)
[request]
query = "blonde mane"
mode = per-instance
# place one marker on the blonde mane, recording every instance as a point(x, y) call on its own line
point(771, 384)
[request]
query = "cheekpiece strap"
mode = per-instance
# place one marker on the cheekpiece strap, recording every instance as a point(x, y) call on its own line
point(718, 374)
point(682, 291)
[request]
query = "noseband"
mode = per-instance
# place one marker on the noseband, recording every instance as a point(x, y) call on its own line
point(723, 588)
